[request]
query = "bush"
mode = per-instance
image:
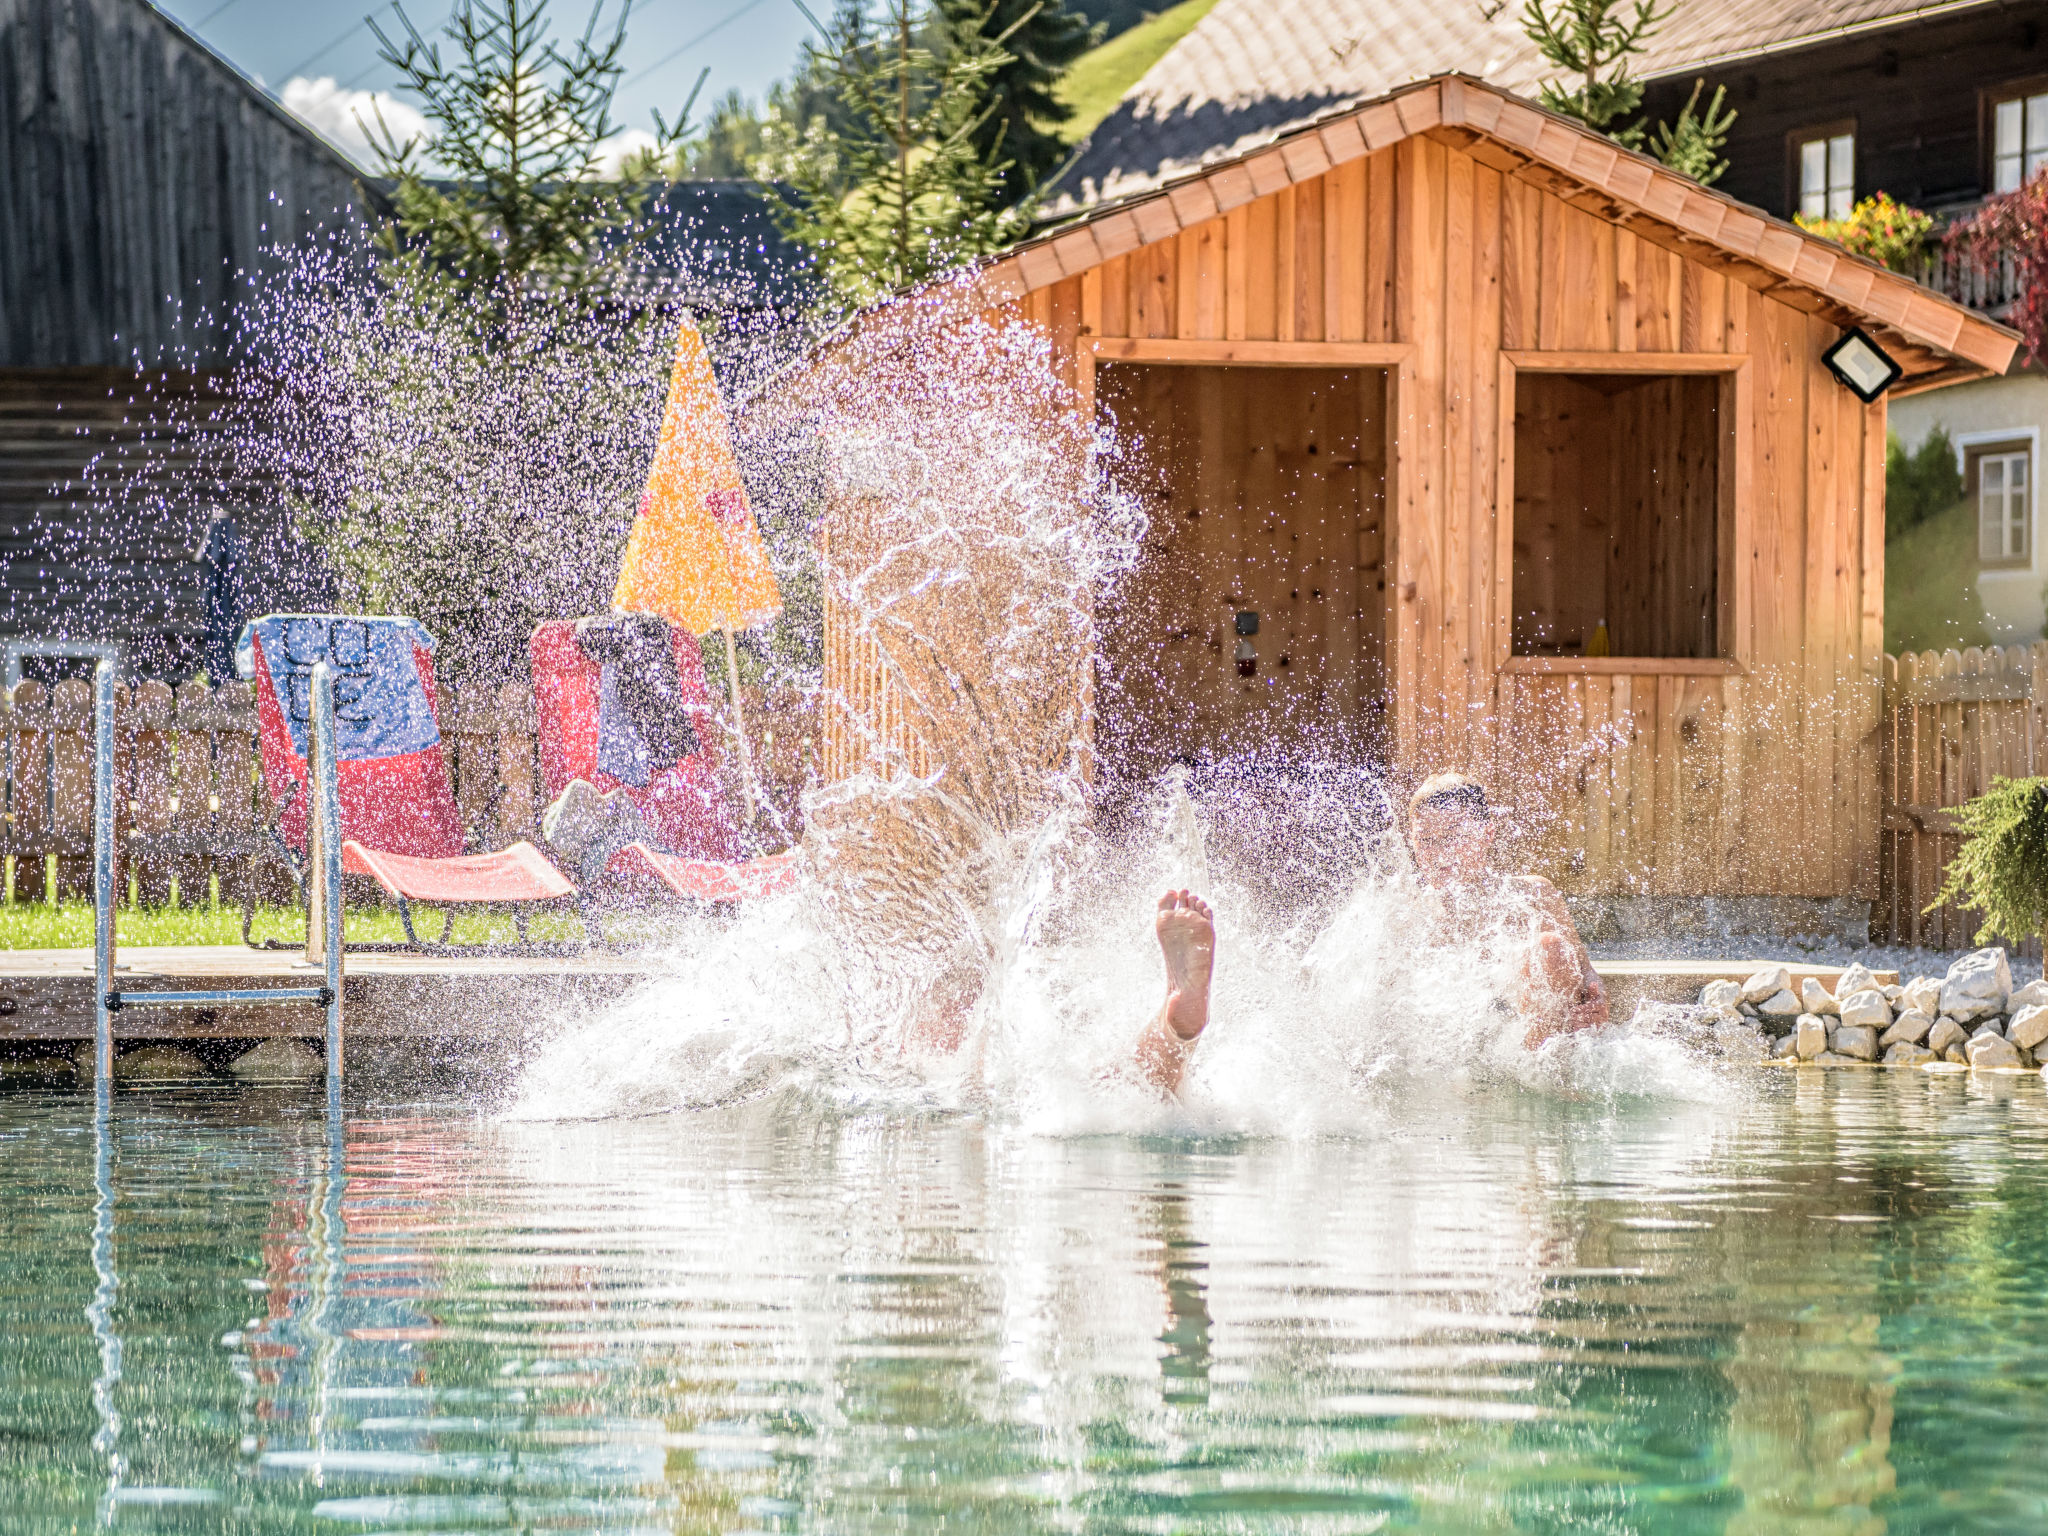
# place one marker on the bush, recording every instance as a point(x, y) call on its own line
point(1920, 483)
point(1878, 228)
point(2001, 869)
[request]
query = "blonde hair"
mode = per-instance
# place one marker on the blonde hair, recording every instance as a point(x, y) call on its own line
point(1450, 792)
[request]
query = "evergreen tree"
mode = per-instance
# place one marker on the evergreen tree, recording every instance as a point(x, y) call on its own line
point(1042, 38)
point(517, 123)
point(1593, 40)
point(893, 185)
point(1692, 145)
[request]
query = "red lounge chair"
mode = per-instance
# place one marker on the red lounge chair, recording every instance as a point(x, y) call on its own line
point(399, 821)
point(679, 797)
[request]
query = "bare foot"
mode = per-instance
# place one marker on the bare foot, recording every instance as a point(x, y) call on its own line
point(1187, 938)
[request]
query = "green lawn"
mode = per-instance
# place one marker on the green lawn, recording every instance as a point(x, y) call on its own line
point(25, 925)
point(1930, 585)
point(1098, 79)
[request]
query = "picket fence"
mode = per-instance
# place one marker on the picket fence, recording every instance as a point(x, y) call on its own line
point(193, 805)
point(1953, 721)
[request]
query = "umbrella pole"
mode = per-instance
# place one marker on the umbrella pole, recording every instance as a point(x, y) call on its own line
point(739, 723)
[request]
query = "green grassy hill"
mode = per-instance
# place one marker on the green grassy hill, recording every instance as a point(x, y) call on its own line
point(1099, 78)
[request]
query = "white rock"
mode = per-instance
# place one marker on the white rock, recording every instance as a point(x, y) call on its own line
point(1721, 994)
point(1922, 995)
point(1946, 1032)
point(1780, 1005)
point(1977, 984)
point(1867, 1008)
point(1993, 1051)
point(1985, 1027)
point(277, 1061)
point(1855, 979)
point(1909, 1027)
point(1811, 1036)
point(1766, 984)
point(1816, 998)
point(1833, 1059)
point(1893, 992)
point(2033, 995)
point(1957, 1054)
point(1787, 1047)
point(1857, 1041)
point(2029, 1026)
point(1906, 1054)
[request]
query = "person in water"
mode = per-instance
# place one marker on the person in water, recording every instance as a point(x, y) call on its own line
point(1450, 833)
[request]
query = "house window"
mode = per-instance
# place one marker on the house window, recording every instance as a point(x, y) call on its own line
point(1617, 515)
point(1825, 160)
point(1999, 477)
point(2019, 141)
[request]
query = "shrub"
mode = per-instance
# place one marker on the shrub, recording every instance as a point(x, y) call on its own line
point(1919, 483)
point(1879, 228)
point(2001, 869)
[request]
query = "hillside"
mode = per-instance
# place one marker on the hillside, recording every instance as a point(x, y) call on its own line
point(1099, 78)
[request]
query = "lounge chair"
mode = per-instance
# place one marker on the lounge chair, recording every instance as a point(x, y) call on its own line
point(623, 706)
point(399, 822)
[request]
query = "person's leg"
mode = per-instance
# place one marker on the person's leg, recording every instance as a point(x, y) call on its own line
point(1553, 982)
point(1187, 939)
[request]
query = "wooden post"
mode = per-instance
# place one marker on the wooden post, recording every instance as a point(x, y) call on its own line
point(519, 804)
point(29, 807)
point(194, 808)
point(71, 787)
point(152, 793)
point(476, 766)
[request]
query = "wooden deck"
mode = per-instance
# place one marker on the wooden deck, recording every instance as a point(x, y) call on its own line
point(47, 994)
point(484, 1000)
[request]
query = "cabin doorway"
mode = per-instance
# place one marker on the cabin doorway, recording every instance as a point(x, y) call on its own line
point(1253, 627)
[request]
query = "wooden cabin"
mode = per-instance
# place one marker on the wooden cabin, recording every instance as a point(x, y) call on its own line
point(1472, 440)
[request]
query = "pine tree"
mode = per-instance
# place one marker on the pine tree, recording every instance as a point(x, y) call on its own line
point(1042, 38)
point(517, 123)
point(893, 186)
point(1692, 145)
point(1593, 39)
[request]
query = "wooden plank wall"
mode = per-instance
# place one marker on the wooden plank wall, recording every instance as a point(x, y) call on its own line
point(1423, 244)
point(192, 801)
point(1953, 722)
point(1265, 489)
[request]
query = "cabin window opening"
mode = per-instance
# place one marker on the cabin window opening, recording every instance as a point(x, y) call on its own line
point(1999, 477)
point(1824, 159)
point(1617, 515)
point(2019, 141)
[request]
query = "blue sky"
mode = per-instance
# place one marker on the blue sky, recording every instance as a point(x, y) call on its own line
point(322, 60)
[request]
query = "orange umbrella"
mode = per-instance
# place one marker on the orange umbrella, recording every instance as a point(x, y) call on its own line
point(695, 554)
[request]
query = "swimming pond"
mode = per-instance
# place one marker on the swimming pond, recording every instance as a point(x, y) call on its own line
point(1823, 1307)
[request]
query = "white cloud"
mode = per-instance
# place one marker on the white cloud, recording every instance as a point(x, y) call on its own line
point(613, 152)
point(347, 117)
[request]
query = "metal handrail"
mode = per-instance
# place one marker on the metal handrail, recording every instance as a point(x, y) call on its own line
point(323, 930)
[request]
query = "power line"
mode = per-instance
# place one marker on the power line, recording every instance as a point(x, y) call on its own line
point(326, 48)
point(219, 10)
point(682, 48)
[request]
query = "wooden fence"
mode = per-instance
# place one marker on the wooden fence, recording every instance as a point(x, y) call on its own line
point(1953, 721)
point(193, 804)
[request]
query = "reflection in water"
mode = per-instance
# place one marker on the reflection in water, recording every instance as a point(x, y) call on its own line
point(1518, 1312)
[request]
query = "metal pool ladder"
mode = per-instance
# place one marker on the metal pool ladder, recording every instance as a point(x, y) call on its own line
point(323, 926)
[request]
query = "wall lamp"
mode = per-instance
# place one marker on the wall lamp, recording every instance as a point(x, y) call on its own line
point(1860, 363)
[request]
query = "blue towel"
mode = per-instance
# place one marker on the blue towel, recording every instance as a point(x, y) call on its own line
point(380, 703)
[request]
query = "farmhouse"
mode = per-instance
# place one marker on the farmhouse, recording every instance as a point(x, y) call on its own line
point(1475, 440)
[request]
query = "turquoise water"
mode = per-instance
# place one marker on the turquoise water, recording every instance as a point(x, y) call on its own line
point(1818, 1306)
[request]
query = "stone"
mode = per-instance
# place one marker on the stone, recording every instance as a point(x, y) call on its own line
point(159, 1064)
point(1811, 1036)
point(1748, 1010)
point(1766, 983)
point(1815, 998)
point(1906, 1054)
point(1989, 1050)
point(2029, 1026)
point(1787, 1048)
point(1721, 994)
point(1893, 992)
point(1855, 979)
point(1957, 1054)
point(1833, 1059)
point(1946, 1032)
point(278, 1061)
point(1977, 984)
point(1867, 1008)
point(1780, 1005)
point(1857, 1041)
point(1911, 1028)
point(1921, 995)
point(2033, 995)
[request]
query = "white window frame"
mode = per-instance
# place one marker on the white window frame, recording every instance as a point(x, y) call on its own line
point(2016, 163)
point(2031, 436)
point(1835, 195)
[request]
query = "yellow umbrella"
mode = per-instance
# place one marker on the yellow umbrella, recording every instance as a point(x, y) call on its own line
point(695, 554)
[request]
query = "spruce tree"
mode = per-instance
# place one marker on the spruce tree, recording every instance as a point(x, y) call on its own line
point(1042, 38)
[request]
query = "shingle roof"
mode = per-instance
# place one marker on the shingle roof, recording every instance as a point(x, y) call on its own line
point(1251, 69)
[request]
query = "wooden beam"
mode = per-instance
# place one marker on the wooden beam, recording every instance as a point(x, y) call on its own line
point(1251, 354)
point(1633, 666)
point(1626, 362)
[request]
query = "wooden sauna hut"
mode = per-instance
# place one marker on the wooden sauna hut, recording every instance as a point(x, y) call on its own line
point(1470, 439)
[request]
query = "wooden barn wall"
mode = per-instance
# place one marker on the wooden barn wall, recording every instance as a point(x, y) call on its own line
point(1681, 778)
point(140, 180)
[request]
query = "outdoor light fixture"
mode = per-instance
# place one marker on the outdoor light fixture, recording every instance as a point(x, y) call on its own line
point(1861, 364)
